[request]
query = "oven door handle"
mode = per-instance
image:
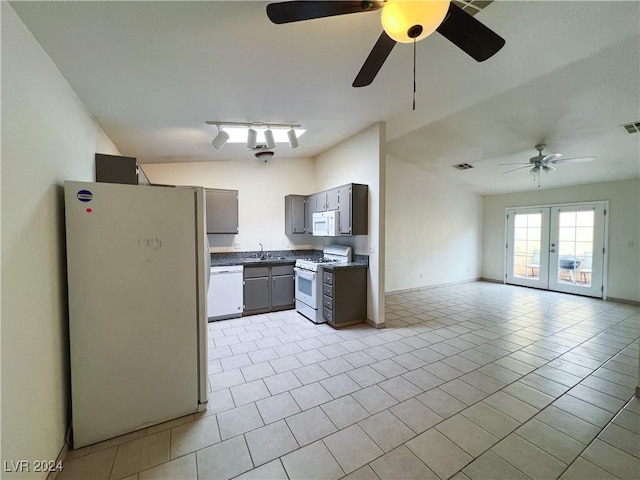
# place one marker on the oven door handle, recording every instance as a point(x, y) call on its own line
point(305, 273)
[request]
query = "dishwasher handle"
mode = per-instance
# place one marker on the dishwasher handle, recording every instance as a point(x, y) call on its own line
point(227, 269)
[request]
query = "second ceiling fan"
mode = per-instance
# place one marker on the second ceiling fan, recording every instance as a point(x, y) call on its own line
point(403, 21)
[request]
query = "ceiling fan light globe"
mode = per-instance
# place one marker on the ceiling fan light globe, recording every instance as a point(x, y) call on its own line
point(399, 17)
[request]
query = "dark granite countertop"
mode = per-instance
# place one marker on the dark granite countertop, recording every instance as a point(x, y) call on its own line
point(280, 257)
point(340, 266)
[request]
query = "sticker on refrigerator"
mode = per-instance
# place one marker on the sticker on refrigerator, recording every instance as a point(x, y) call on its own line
point(84, 195)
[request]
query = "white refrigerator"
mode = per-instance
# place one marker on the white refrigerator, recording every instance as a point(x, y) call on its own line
point(138, 267)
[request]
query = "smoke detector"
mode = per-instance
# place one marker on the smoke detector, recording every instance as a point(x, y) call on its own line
point(264, 155)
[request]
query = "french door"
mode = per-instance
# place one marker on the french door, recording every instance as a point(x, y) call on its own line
point(559, 247)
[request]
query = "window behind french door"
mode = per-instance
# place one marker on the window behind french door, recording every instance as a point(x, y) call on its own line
point(558, 247)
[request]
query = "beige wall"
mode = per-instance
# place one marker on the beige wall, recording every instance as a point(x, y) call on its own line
point(261, 191)
point(360, 159)
point(48, 136)
point(433, 229)
point(623, 275)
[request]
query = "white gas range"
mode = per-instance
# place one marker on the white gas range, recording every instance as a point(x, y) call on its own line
point(309, 280)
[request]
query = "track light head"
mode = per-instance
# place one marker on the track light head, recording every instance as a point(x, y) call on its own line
point(268, 137)
point(252, 136)
point(293, 140)
point(221, 139)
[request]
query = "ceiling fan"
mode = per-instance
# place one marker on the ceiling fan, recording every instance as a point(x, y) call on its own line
point(403, 21)
point(545, 163)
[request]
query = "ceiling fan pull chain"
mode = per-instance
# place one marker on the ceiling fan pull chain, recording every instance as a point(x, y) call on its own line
point(414, 73)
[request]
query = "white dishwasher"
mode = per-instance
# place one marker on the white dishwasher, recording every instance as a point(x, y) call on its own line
point(224, 299)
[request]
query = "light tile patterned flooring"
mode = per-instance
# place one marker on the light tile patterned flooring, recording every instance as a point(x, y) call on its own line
point(479, 381)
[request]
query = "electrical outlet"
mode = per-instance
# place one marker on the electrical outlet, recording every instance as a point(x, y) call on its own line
point(630, 244)
point(372, 249)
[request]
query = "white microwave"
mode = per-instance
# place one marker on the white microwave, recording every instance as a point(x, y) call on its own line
point(326, 224)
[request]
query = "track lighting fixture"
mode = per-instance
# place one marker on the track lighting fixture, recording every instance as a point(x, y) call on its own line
point(254, 133)
point(293, 139)
point(252, 137)
point(221, 139)
point(268, 138)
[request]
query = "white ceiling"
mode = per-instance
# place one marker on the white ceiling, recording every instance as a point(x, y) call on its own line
point(152, 73)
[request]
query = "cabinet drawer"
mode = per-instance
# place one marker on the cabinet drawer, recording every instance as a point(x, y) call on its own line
point(327, 302)
point(282, 270)
point(254, 272)
point(327, 315)
point(327, 278)
point(327, 290)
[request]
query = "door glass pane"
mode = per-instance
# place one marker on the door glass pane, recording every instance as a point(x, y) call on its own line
point(575, 247)
point(526, 248)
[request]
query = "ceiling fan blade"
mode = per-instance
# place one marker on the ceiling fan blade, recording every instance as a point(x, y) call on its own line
point(516, 169)
point(552, 157)
point(468, 34)
point(296, 11)
point(575, 160)
point(516, 163)
point(374, 61)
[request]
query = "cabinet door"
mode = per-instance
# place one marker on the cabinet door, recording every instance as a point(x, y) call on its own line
point(332, 197)
point(310, 210)
point(222, 211)
point(256, 294)
point(345, 210)
point(321, 202)
point(295, 214)
point(282, 291)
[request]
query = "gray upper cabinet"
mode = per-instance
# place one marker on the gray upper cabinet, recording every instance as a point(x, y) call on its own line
point(327, 200)
point(222, 211)
point(351, 200)
point(354, 209)
point(311, 209)
point(117, 169)
point(295, 214)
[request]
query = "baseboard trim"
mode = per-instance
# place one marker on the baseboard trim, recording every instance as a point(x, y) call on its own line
point(430, 287)
point(59, 461)
point(491, 280)
point(623, 300)
point(373, 324)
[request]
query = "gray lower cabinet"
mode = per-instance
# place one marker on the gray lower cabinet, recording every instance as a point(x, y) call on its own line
point(268, 288)
point(282, 291)
point(344, 296)
point(256, 294)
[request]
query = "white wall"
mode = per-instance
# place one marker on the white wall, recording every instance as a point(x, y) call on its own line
point(624, 229)
point(433, 229)
point(261, 191)
point(360, 159)
point(47, 136)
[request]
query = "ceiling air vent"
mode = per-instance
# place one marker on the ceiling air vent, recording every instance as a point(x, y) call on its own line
point(463, 166)
point(632, 127)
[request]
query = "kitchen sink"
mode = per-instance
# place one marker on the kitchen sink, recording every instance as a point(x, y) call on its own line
point(253, 260)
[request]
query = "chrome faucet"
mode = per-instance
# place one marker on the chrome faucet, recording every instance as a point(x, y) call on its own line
point(261, 251)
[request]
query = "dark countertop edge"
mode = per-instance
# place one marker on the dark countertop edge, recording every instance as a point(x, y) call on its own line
point(267, 261)
point(335, 266)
